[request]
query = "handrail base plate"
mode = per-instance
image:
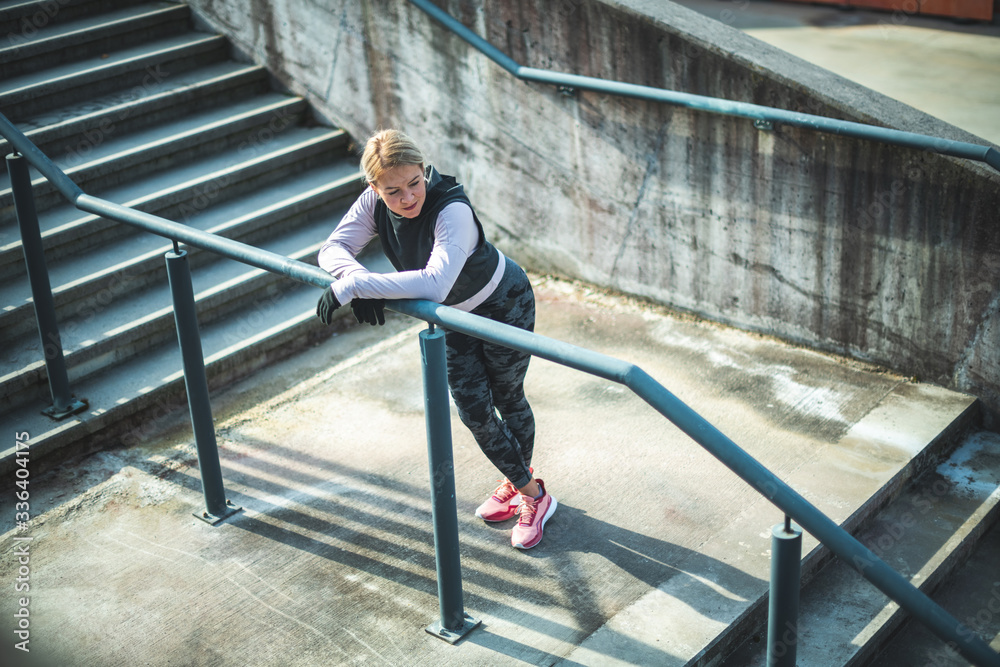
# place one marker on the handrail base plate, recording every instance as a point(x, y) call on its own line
point(452, 636)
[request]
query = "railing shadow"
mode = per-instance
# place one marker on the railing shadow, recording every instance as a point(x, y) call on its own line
point(340, 516)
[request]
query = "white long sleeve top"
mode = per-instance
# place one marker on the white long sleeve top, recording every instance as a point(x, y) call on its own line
point(455, 239)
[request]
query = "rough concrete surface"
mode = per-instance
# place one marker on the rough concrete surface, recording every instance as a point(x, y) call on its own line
point(881, 252)
point(971, 598)
point(913, 59)
point(655, 546)
point(840, 613)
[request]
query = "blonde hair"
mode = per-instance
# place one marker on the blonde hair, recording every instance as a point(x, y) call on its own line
point(387, 149)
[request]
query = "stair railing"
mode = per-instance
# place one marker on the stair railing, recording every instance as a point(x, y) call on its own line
point(454, 622)
point(764, 118)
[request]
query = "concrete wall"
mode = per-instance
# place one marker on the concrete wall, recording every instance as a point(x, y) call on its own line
point(888, 255)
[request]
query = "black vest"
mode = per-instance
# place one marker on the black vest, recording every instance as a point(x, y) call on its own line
point(408, 242)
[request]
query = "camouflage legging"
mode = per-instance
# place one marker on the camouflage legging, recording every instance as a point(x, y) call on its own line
point(487, 379)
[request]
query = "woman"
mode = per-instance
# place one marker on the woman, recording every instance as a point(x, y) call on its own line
point(431, 234)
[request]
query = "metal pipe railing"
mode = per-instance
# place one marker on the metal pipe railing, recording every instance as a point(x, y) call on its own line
point(453, 623)
point(217, 506)
point(755, 112)
point(783, 595)
point(64, 403)
point(838, 540)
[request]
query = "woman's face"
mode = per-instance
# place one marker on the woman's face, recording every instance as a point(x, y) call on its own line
point(402, 189)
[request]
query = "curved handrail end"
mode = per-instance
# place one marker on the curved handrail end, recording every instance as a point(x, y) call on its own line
point(993, 158)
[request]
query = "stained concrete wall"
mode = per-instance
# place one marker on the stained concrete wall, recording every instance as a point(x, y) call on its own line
point(885, 254)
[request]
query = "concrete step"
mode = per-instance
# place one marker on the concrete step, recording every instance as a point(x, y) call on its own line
point(904, 432)
point(141, 110)
point(91, 36)
point(112, 160)
point(971, 594)
point(134, 323)
point(114, 331)
point(126, 401)
point(135, 67)
point(925, 534)
point(179, 193)
point(79, 125)
point(83, 284)
point(23, 18)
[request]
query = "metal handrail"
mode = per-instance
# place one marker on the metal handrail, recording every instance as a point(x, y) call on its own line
point(755, 112)
point(838, 540)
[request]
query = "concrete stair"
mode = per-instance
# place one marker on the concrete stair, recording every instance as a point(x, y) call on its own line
point(141, 109)
point(926, 533)
point(971, 594)
point(920, 489)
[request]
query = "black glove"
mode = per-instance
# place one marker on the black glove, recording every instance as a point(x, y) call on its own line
point(327, 304)
point(369, 310)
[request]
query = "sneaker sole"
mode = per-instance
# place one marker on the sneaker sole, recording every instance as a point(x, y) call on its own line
point(541, 530)
point(513, 507)
point(500, 520)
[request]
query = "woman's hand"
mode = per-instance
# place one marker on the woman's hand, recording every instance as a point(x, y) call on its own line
point(369, 310)
point(326, 305)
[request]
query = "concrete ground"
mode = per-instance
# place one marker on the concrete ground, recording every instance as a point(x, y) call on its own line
point(655, 547)
point(944, 67)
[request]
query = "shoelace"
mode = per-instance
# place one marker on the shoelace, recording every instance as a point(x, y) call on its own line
point(505, 491)
point(527, 510)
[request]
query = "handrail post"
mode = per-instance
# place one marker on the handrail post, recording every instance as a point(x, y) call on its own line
point(63, 402)
point(454, 622)
point(783, 601)
point(196, 383)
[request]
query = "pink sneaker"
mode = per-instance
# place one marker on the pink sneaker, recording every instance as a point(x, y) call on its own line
point(502, 505)
point(534, 513)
